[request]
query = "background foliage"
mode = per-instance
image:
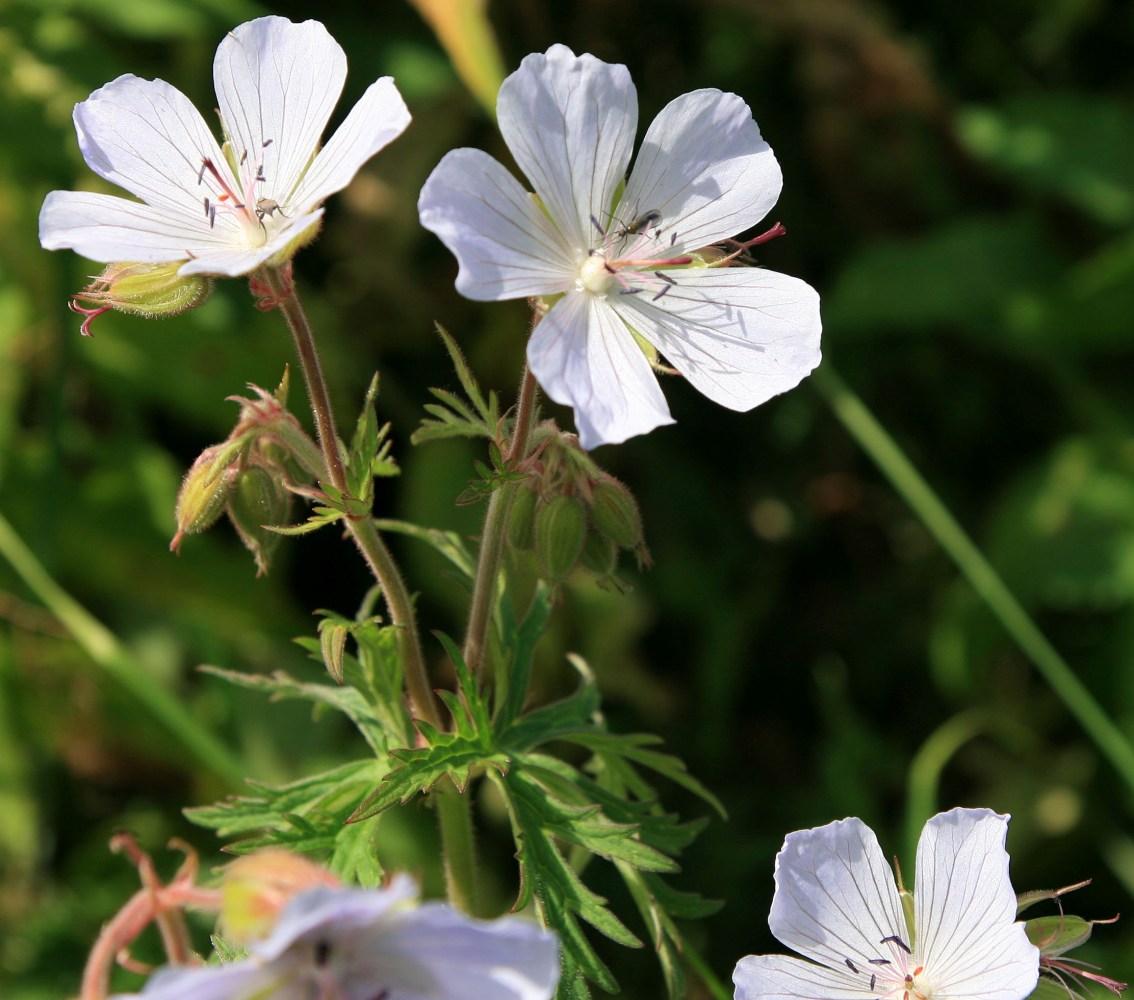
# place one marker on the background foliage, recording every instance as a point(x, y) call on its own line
point(959, 188)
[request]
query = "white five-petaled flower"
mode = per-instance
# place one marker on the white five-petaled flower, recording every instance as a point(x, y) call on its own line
point(836, 903)
point(376, 944)
point(622, 257)
point(223, 212)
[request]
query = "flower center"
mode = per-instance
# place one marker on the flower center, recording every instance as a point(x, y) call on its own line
point(595, 275)
point(254, 212)
point(899, 977)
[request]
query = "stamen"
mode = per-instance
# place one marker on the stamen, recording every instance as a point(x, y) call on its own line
point(266, 144)
point(873, 980)
point(893, 938)
point(207, 203)
point(601, 231)
point(631, 291)
point(201, 172)
point(243, 157)
point(661, 293)
point(851, 966)
point(878, 961)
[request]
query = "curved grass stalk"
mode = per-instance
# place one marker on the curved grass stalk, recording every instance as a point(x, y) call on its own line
point(912, 487)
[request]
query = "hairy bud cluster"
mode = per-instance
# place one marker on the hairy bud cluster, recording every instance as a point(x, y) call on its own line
point(571, 514)
point(250, 476)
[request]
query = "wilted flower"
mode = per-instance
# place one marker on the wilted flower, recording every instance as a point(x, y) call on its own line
point(622, 254)
point(359, 944)
point(223, 211)
point(836, 903)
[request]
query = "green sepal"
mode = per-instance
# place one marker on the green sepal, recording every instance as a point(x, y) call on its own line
point(1057, 934)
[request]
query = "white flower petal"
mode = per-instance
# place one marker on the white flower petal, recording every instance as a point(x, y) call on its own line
point(504, 244)
point(835, 895)
point(739, 335)
point(146, 137)
point(105, 228)
point(237, 981)
point(570, 122)
point(968, 938)
point(459, 957)
point(277, 83)
point(779, 977)
point(704, 167)
point(312, 912)
point(378, 118)
point(584, 357)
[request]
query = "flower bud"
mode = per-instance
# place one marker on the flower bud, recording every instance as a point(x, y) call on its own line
point(257, 502)
point(256, 887)
point(600, 554)
point(204, 491)
point(149, 290)
point(560, 530)
point(615, 513)
point(521, 519)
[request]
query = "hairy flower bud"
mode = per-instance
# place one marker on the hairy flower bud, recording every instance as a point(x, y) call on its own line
point(149, 290)
point(600, 554)
point(615, 513)
point(256, 888)
point(258, 501)
point(521, 519)
point(560, 531)
point(204, 491)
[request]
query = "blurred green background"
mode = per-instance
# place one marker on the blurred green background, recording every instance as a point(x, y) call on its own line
point(958, 185)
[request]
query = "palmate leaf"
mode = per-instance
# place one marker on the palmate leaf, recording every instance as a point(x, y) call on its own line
point(307, 816)
point(453, 416)
point(347, 700)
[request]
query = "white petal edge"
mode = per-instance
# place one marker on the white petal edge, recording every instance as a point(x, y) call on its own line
point(232, 262)
point(378, 118)
point(835, 895)
point(704, 166)
point(968, 938)
point(504, 245)
point(780, 977)
point(500, 960)
point(570, 123)
point(148, 138)
point(584, 357)
point(226, 982)
point(278, 82)
point(106, 228)
point(316, 909)
point(738, 335)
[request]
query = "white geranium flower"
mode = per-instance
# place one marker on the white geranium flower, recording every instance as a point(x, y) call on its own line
point(621, 257)
point(223, 212)
point(837, 904)
point(376, 944)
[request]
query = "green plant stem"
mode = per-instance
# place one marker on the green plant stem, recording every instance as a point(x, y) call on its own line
point(454, 815)
point(882, 448)
point(378, 557)
point(697, 963)
point(106, 651)
point(495, 529)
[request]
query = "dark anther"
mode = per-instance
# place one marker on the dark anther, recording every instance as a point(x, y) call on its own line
point(878, 961)
point(206, 206)
point(322, 953)
point(631, 291)
point(595, 223)
point(267, 143)
point(851, 966)
point(201, 172)
point(662, 292)
point(243, 157)
point(872, 981)
point(672, 238)
point(899, 942)
point(666, 277)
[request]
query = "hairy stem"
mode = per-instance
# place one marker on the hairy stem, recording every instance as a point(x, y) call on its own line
point(399, 604)
point(495, 528)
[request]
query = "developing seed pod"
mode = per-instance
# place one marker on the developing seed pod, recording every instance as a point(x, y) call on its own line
point(600, 554)
point(615, 513)
point(560, 530)
point(258, 501)
point(521, 519)
point(204, 492)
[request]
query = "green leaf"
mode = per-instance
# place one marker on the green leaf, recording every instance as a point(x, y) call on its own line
point(347, 700)
point(448, 756)
point(520, 641)
point(306, 816)
point(448, 543)
point(452, 416)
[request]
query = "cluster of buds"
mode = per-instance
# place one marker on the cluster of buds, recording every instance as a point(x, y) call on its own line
point(250, 476)
point(570, 513)
point(147, 290)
